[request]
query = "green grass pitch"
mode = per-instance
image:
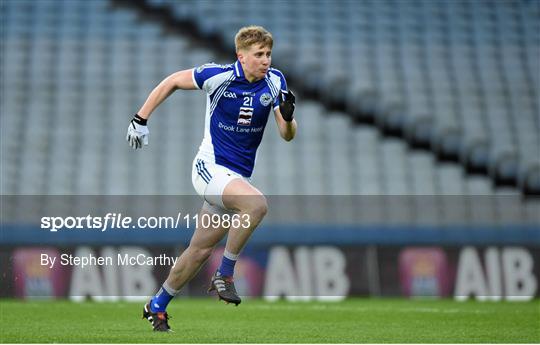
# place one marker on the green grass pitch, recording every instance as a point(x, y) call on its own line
point(257, 321)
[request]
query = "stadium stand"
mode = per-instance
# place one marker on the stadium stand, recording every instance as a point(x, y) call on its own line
point(458, 77)
point(73, 72)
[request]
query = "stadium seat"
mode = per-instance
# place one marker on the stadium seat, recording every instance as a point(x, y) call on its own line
point(439, 76)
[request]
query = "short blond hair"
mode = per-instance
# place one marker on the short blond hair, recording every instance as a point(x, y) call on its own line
point(250, 35)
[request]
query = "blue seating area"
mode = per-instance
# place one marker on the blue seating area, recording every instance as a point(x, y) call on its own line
point(459, 77)
point(462, 76)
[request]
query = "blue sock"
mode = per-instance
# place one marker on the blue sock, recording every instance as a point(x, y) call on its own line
point(227, 264)
point(160, 301)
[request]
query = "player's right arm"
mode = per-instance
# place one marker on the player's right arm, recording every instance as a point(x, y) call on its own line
point(137, 134)
point(190, 79)
point(181, 80)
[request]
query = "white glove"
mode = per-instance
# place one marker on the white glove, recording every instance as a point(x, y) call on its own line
point(137, 134)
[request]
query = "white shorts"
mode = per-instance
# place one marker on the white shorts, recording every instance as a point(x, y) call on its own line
point(210, 180)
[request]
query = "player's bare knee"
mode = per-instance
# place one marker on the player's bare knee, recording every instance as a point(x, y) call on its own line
point(257, 208)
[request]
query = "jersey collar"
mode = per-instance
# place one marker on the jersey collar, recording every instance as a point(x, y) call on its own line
point(238, 69)
point(239, 72)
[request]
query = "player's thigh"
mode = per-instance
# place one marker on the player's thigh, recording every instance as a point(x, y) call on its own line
point(210, 229)
point(210, 180)
point(240, 195)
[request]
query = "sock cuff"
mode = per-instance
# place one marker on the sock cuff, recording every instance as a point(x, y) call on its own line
point(169, 289)
point(230, 255)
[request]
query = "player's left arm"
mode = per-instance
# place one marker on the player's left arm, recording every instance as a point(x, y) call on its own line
point(284, 115)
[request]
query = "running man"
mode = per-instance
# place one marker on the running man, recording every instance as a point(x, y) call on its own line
point(240, 97)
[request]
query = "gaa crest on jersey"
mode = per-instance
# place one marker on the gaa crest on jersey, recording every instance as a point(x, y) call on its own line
point(244, 116)
point(265, 99)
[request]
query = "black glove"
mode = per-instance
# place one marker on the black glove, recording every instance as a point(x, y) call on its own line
point(286, 105)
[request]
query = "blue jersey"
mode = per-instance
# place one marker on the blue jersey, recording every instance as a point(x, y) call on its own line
point(236, 113)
